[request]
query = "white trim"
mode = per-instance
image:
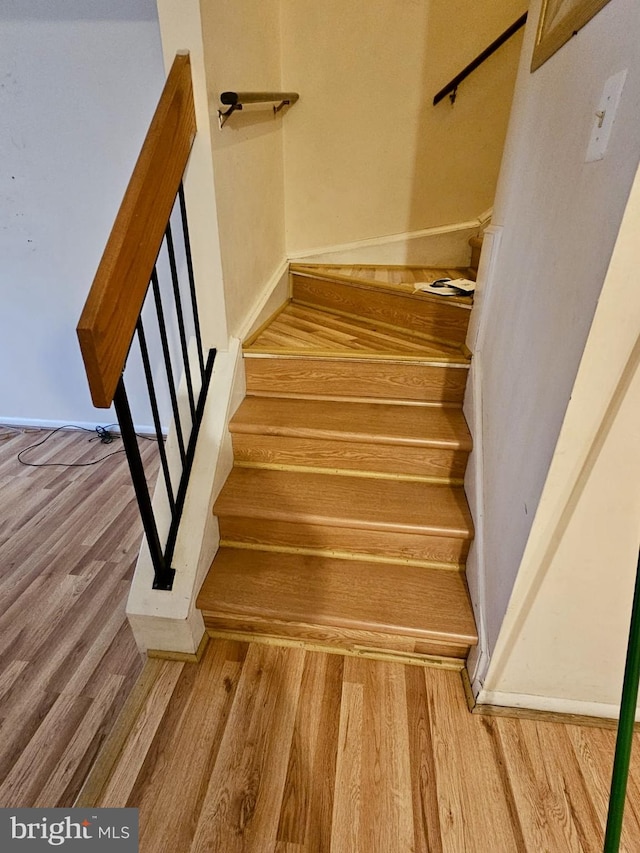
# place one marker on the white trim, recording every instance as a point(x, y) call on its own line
point(477, 665)
point(479, 659)
point(169, 621)
point(484, 288)
point(385, 240)
point(273, 295)
point(485, 217)
point(442, 245)
point(550, 704)
point(39, 423)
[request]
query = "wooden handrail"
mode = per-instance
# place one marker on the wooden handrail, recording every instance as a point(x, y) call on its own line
point(110, 314)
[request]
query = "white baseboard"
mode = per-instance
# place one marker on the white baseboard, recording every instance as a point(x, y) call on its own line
point(273, 295)
point(446, 245)
point(169, 621)
point(549, 704)
point(39, 423)
point(478, 662)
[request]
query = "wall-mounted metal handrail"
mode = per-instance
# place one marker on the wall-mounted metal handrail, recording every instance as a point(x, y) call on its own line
point(236, 100)
point(452, 86)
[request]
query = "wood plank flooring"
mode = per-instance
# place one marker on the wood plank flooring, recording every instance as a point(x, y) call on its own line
point(283, 750)
point(69, 538)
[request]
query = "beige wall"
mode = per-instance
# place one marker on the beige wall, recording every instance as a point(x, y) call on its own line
point(242, 52)
point(366, 153)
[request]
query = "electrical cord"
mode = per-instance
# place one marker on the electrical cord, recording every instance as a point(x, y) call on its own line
point(103, 434)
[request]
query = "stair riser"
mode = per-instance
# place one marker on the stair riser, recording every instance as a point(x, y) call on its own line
point(440, 320)
point(371, 543)
point(379, 380)
point(403, 461)
point(346, 640)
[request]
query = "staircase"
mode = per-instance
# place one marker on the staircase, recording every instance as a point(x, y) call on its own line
point(343, 523)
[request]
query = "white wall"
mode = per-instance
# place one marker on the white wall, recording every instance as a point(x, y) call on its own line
point(242, 52)
point(559, 218)
point(366, 153)
point(562, 644)
point(79, 81)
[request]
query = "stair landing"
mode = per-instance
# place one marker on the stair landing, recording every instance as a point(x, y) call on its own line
point(305, 329)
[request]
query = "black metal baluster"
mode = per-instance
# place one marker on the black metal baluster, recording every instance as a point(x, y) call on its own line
point(192, 283)
point(180, 316)
point(167, 362)
point(191, 452)
point(162, 558)
point(163, 574)
point(144, 352)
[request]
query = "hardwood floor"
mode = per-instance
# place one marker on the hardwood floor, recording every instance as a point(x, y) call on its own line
point(283, 750)
point(69, 538)
point(257, 748)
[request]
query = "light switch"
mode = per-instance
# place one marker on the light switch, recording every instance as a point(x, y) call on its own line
point(604, 116)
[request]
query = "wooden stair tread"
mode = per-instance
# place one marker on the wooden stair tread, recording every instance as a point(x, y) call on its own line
point(429, 604)
point(424, 315)
point(307, 329)
point(394, 278)
point(416, 382)
point(379, 423)
point(346, 501)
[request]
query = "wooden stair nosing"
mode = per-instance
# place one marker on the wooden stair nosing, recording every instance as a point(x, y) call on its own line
point(421, 382)
point(343, 555)
point(351, 502)
point(336, 634)
point(368, 644)
point(351, 357)
point(373, 424)
point(434, 464)
point(331, 592)
point(352, 543)
point(350, 398)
